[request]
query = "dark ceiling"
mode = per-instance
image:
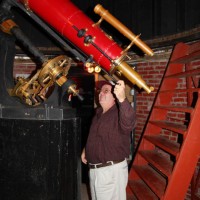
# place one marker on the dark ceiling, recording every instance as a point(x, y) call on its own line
point(150, 18)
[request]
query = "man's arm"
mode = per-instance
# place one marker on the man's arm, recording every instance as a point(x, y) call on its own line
point(83, 158)
point(119, 91)
point(127, 116)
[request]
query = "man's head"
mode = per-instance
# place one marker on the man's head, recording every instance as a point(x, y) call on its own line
point(106, 97)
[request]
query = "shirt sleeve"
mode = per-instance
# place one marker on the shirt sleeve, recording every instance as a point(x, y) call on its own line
point(127, 116)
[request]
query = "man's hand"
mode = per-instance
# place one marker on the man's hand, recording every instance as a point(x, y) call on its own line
point(83, 158)
point(119, 91)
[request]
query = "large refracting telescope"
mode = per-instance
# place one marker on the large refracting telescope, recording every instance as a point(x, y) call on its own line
point(97, 47)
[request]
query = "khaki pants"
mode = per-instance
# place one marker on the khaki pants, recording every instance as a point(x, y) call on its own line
point(109, 183)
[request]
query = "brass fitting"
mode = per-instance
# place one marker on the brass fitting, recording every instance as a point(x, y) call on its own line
point(7, 25)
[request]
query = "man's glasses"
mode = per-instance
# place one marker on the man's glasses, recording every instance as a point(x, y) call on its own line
point(105, 91)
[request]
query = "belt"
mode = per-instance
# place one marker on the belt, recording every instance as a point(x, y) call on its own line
point(99, 165)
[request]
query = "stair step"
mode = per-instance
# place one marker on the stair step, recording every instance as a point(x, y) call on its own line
point(165, 144)
point(188, 58)
point(176, 127)
point(176, 108)
point(185, 74)
point(142, 191)
point(152, 178)
point(159, 161)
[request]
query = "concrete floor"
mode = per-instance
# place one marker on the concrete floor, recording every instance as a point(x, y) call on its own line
point(84, 192)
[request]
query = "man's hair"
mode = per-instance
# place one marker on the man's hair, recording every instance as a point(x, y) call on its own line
point(100, 84)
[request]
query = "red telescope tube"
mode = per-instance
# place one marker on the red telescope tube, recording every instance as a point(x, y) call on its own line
point(79, 29)
point(73, 24)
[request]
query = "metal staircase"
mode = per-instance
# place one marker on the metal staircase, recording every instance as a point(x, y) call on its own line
point(169, 149)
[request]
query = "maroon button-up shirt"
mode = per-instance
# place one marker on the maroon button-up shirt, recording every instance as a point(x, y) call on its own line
point(109, 136)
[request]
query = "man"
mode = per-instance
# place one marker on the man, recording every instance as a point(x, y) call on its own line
point(108, 144)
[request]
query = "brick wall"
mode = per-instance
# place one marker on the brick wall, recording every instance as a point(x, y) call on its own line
point(152, 72)
point(23, 68)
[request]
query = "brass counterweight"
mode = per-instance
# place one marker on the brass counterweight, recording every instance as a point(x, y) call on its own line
point(133, 76)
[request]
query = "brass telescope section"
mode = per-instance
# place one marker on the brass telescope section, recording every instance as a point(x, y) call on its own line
point(52, 70)
point(122, 29)
point(37, 89)
point(7, 25)
point(132, 75)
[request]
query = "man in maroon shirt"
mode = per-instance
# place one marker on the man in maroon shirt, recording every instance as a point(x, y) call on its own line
point(108, 144)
